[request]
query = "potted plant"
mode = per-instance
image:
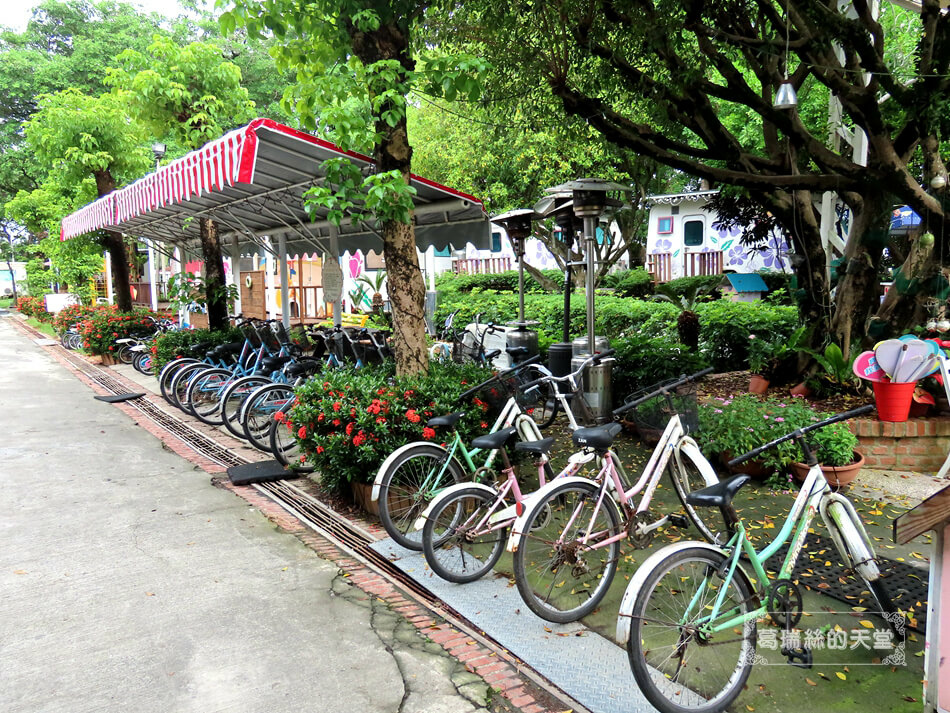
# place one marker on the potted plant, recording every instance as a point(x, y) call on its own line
point(834, 447)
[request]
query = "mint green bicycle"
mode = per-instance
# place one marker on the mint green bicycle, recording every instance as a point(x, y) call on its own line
point(688, 616)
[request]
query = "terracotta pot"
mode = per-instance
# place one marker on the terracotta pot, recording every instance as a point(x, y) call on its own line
point(750, 467)
point(800, 390)
point(108, 359)
point(363, 496)
point(837, 476)
point(758, 384)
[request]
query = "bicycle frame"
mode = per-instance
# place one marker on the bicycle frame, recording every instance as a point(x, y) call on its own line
point(814, 497)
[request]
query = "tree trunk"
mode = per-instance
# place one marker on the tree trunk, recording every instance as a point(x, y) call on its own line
point(215, 292)
point(113, 242)
point(390, 41)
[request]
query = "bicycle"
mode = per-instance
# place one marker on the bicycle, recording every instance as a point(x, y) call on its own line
point(688, 616)
point(412, 474)
point(566, 544)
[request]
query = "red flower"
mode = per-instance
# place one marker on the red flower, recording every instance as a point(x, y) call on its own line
point(115, 334)
point(302, 433)
point(319, 449)
point(279, 416)
point(413, 416)
point(359, 438)
point(483, 425)
point(320, 417)
point(337, 406)
point(428, 433)
point(349, 428)
point(380, 420)
point(336, 422)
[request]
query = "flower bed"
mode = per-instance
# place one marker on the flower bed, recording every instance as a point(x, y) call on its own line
point(102, 328)
point(347, 421)
point(34, 307)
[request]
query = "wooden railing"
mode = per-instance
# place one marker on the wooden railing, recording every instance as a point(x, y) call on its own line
point(306, 307)
point(695, 264)
point(481, 266)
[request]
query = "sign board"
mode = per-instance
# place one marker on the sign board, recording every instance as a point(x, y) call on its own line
point(57, 303)
point(332, 281)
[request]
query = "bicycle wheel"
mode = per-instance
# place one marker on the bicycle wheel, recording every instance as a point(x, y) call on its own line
point(540, 403)
point(182, 379)
point(286, 448)
point(258, 411)
point(459, 544)
point(679, 666)
point(233, 399)
point(561, 572)
point(690, 471)
point(859, 556)
point(123, 353)
point(203, 398)
point(408, 487)
point(168, 373)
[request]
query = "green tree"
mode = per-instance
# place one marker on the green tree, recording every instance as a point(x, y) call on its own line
point(355, 65)
point(192, 95)
point(690, 85)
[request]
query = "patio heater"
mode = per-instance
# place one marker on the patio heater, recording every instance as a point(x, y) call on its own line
point(517, 223)
point(561, 206)
point(589, 198)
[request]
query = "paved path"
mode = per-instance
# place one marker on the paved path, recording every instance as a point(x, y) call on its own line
point(129, 583)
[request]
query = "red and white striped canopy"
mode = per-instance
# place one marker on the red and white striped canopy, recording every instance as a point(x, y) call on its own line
point(251, 181)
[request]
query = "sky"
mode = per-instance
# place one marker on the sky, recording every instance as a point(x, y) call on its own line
point(16, 13)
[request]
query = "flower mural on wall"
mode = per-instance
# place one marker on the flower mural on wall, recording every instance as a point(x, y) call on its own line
point(356, 264)
point(736, 255)
point(773, 255)
point(663, 245)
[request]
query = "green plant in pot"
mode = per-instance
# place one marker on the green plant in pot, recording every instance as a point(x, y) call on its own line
point(835, 448)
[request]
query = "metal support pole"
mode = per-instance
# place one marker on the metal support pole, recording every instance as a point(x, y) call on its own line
point(284, 279)
point(568, 284)
point(110, 295)
point(151, 276)
point(236, 271)
point(590, 236)
point(521, 286)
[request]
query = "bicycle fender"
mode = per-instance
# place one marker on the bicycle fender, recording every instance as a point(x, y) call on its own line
point(689, 446)
point(391, 458)
point(862, 549)
point(447, 492)
point(643, 571)
point(521, 521)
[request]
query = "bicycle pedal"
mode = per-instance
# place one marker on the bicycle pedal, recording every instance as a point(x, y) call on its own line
point(800, 657)
point(678, 520)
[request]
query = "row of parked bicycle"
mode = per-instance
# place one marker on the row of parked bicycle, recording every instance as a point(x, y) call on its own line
point(688, 615)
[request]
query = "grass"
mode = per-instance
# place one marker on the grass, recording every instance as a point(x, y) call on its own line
point(6, 303)
point(44, 327)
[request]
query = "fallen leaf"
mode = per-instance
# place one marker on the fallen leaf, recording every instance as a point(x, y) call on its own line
point(841, 676)
point(810, 682)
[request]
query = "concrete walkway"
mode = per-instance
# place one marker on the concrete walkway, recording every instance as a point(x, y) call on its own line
point(129, 583)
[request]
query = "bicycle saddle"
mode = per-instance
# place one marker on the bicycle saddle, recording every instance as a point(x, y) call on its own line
point(720, 494)
point(302, 367)
point(447, 421)
point(537, 448)
point(492, 354)
point(273, 363)
point(599, 437)
point(493, 441)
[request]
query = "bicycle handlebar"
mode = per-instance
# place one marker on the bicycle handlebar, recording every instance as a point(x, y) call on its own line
point(799, 432)
point(662, 390)
point(465, 395)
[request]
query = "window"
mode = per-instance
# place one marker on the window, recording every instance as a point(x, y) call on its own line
point(664, 224)
point(496, 242)
point(693, 233)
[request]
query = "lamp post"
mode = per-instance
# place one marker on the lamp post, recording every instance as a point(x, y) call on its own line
point(158, 151)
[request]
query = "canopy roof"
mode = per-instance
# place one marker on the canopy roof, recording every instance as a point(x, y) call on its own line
point(251, 182)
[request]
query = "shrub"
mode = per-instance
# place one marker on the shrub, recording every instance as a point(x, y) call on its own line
point(705, 284)
point(101, 329)
point(506, 282)
point(636, 283)
point(73, 314)
point(173, 345)
point(738, 424)
point(34, 307)
point(643, 360)
point(725, 327)
point(347, 421)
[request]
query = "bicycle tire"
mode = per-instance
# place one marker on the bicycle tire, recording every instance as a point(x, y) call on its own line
point(662, 627)
point(233, 398)
point(409, 485)
point(853, 542)
point(689, 475)
point(168, 372)
point(124, 353)
point(179, 385)
point(258, 411)
point(203, 398)
point(559, 581)
point(453, 549)
point(142, 363)
point(286, 449)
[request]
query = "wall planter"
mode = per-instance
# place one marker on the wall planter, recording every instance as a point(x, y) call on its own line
point(837, 476)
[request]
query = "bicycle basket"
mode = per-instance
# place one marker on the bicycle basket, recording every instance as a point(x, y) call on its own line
point(493, 396)
point(270, 338)
point(250, 334)
point(281, 333)
point(465, 348)
point(652, 416)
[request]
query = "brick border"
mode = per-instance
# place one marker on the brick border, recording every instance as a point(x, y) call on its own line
point(495, 668)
